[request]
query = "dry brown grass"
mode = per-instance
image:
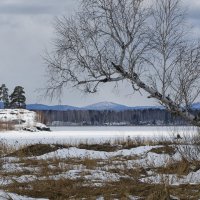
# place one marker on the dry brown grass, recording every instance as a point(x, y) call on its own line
point(164, 150)
point(128, 142)
point(36, 150)
point(75, 189)
point(124, 143)
point(181, 168)
point(64, 188)
point(107, 147)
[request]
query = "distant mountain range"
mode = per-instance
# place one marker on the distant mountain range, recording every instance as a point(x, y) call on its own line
point(196, 106)
point(46, 107)
point(98, 106)
point(106, 106)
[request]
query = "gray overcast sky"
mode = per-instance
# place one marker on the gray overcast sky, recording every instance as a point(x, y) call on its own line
point(26, 30)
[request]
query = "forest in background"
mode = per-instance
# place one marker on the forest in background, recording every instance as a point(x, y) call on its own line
point(151, 117)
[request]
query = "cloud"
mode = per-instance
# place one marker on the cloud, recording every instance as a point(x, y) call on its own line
point(35, 7)
point(192, 9)
point(26, 30)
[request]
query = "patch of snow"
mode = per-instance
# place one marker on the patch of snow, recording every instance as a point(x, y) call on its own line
point(173, 179)
point(25, 178)
point(21, 119)
point(134, 198)
point(100, 198)
point(192, 178)
point(156, 160)
point(74, 152)
point(5, 181)
point(20, 115)
point(134, 151)
point(92, 175)
point(5, 196)
point(99, 175)
point(21, 179)
point(11, 167)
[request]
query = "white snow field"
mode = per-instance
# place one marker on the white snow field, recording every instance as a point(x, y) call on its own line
point(74, 135)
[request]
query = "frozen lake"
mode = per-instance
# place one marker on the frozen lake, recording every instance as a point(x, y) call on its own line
point(75, 135)
point(133, 129)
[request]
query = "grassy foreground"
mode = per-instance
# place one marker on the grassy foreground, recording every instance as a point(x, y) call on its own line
point(160, 172)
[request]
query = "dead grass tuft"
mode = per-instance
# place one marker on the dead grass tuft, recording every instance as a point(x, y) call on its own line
point(108, 147)
point(36, 150)
point(159, 193)
point(182, 167)
point(164, 150)
point(128, 142)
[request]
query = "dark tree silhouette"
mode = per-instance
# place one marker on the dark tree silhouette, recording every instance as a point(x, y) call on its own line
point(4, 97)
point(17, 98)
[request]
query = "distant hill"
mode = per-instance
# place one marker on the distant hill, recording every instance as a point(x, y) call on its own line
point(98, 107)
point(106, 106)
point(196, 106)
point(46, 107)
point(117, 107)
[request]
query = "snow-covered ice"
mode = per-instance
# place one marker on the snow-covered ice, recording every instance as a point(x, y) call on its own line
point(74, 135)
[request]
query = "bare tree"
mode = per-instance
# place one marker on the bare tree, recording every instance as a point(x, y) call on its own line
point(142, 42)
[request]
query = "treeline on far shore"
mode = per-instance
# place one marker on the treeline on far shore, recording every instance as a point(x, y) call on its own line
point(152, 117)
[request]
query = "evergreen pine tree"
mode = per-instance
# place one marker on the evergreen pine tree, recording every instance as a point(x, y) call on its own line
point(17, 98)
point(4, 97)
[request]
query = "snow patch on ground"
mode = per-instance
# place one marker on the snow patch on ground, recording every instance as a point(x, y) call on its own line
point(173, 179)
point(74, 152)
point(94, 176)
point(5, 196)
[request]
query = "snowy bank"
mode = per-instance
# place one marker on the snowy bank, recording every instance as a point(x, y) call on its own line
point(21, 119)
